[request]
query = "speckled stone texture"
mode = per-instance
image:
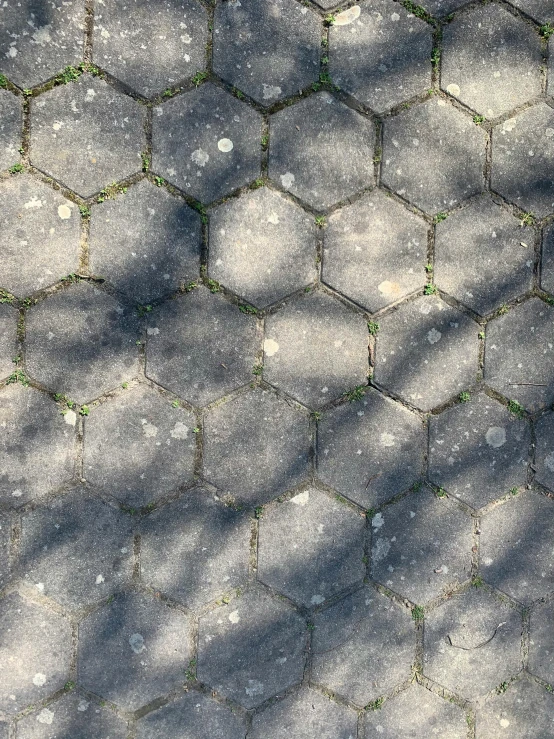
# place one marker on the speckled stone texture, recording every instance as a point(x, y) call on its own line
point(10, 129)
point(8, 342)
point(545, 451)
point(525, 709)
point(547, 272)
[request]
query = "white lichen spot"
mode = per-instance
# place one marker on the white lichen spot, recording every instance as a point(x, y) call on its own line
point(509, 125)
point(273, 218)
point(186, 39)
point(11, 52)
point(380, 549)
point(255, 687)
point(549, 132)
point(39, 679)
point(40, 587)
point(225, 145)
point(70, 417)
point(234, 617)
point(271, 91)
point(287, 179)
point(347, 16)
point(504, 723)
point(317, 600)
point(433, 336)
point(148, 429)
point(389, 288)
point(42, 35)
point(34, 202)
point(395, 17)
point(90, 95)
point(152, 331)
point(301, 498)
point(179, 431)
point(387, 439)
point(377, 521)
point(453, 89)
point(83, 705)
point(64, 212)
point(56, 126)
point(99, 579)
point(496, 436)
point(549, 461)
point(271, 347)
point(45, 716)
point(136, 642)
point(17, 493)
point(200, 157)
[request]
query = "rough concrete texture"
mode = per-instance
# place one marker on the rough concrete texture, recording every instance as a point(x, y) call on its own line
point(139, 447)
point(315, 349)
point(363, 646)
point(483, 256)
point(148, 47)
point(526, 332)
point(478, 450)
point(544, 455)
point(541, 642)
point(540, 10)
point(426, 352)
point(219, 151)
point(87, 135)
point(133, 650)
point(547, 265)
point(8, 339)
point(201, 347)
point(268, 50)
point(526, 709)
point(380, 53)
point(516, 547)
point(472, 643)
point(321, 150)
point(10, 129)
point(452, 147)
point(262, 247)
point(145, 242)
point(311, 547)
point(522, 158)
point(421, 546)
point(270, 458)
point(37, 445)
point(492, 72)
point(81, 342)
point(252, 648)
point(375, 251)
point(370, 450)
point(5, 537)
point(40, 232)
point(195, 549)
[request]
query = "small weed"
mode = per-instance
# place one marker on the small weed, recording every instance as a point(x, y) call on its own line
point(478, 581)
point(417, 486)
point(202, 210)
point(513, 491)
point(325, 78)
point(550, 688)
point(429, 269)
point(16, 360)
point(311, 626)
point(464, 396)
point(375, 705)
point(6, 297)
point(546, 30)
point(329, 20)
point(502, 310)
point(3, 81)
point(517, 409)
point(502, 688)
point(93, 70)
point(547, 299)
point(373, 327)
point(159, 181)
point(249, 309)
point(527, 219)
point(365, 559)
point(418, 612)
point(440, 217)
point(145, 161)
point(84, 210)
point(257, 183)
point(169, 93)
point(265, 141)
point(84, 410)
point(481, 334)
point(15, 168)
point(27, 92)
point(189, 287)
point(341, 499)
point(238, 93)
point(138, 342)
point(441, 493)
point(70, 685)
point(69, 74)
point(478, 119)
point(199, 77)
point(257, 370)
point(316, 86)
point(315, 415)
point(175, 404)
point(125, 385)
point(435, 56)
point(356, 394)
point(190, 672)
point(110, 192)
point(430, 289)
point(416, 10)
point(370, 513)
point(258, 512)
point(18, 376)
point(320, 221)
point(213, 285)
point(378, 155)
point(325, 60)
point(142, 310)
point(196, 430)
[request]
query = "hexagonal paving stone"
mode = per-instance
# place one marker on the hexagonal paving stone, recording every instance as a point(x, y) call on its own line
point(207, 143)
point(380, 53)
point(196, 715)
point(524, 710)
point(256, 447)
point(148, 47)
point(262, 247)
point(251, 649)
point(416, 712)
point(40, 232)
point(541, 642)
point(305, 715)
point(544, 460)
point(112, 646)
point(35, 651)
point(5, 536)
point(311, 547)
point(81, 342)
point(363, 646)
point(491, 60)
point(433, 155)
point(370, 451)
point(426, 352)
point(479, 257)
point(540, 10)
point(321, 151)
point(86, 135)
point(519, 354)
point(36, 445)
point(8, 338)
point(268, 50)
point(516, 547)
point(75, 717)
point(76, 550)
point(375, 251)
point(478, 450)
point(201, 347)
point(522, 159)
point(472, 643)
point(315, 349)
point(39, 39)
point(421, 546)
point(195, 549)
point(547, 265)
point(10, 128)
point(146, 242)
point(138, 447)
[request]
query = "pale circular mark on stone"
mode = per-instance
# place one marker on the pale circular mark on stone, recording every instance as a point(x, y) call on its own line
point(509, 125)
point(549, 132)
point(225, 145)
point(347, 16)
point(496, 436)
point(453, 89)
point(70, 417)
point(271, 91)
point(377, 521)
point(287, 179)
point(136, 642)
point(179, 431)
point(39, 679)
point(387, 439)
point(45, 716)
point(504, 723)
point(271, 347)
point(273, 218)
point(389, 288)
point(148, 429)
point(433, 336)
point(301, 498)
point(64, 212)
point(234, 617)
point(200, 157)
